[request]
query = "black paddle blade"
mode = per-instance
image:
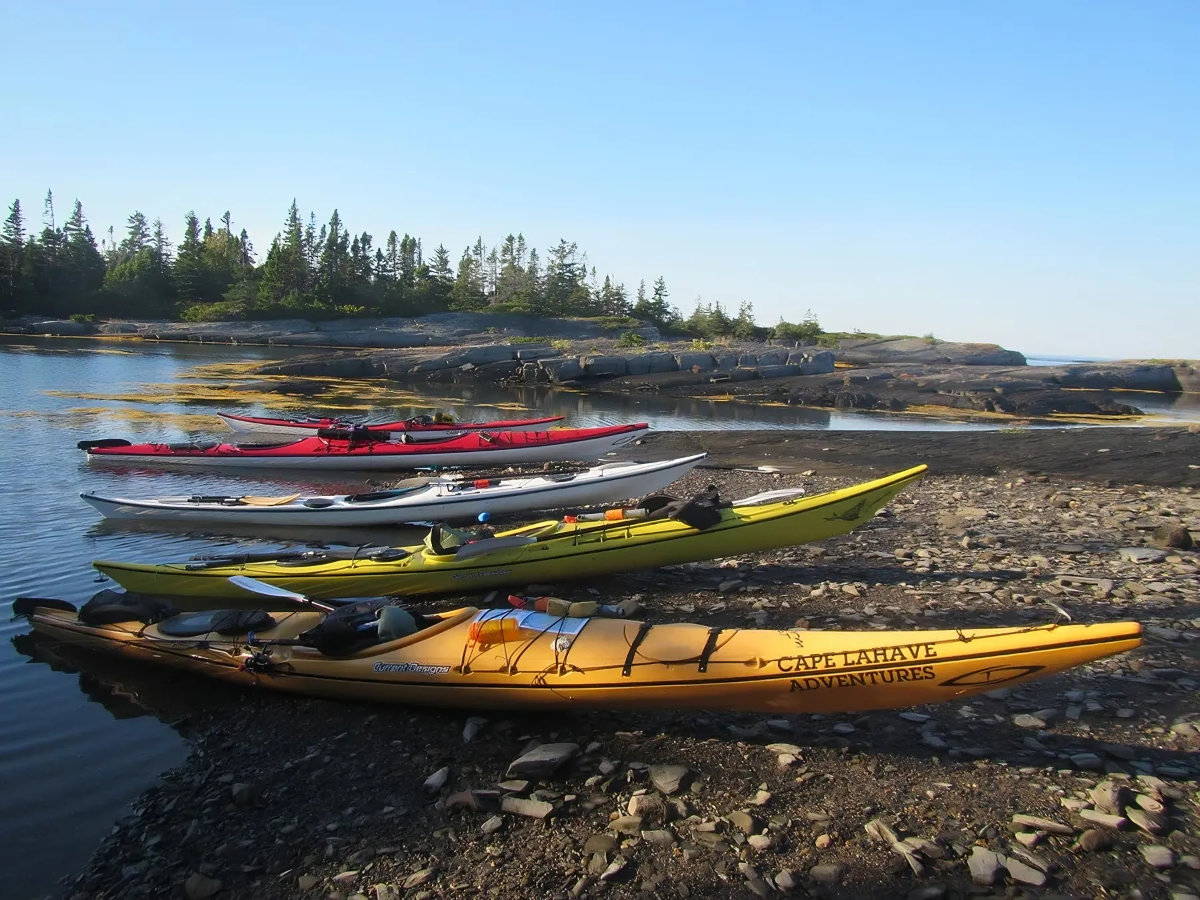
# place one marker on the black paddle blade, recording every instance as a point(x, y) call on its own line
point(25, 606)
point(106, 442)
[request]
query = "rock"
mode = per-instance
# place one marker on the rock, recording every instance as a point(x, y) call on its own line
point(1149, 822)
point(1172, 537)
point(1110, 797)
point(615, 869)
point(669, 779)
point(492, 825)
point(600, 843)
point(647, 806)
point(386, 892)
point(1158, 856)
point(472, 727)
point(1039, 824)
point(745, 822)
point(437, 780)
point(200, 887)
point(542, 760)
point(418, 878)
point(1023, 873)
point(1142, 554)
point(662, 837)
point(534, 809)
point(307, 882)
point(827, 873)
point(627, 825)
point(1105, 820)
point(1093, 839)
point(985, 866)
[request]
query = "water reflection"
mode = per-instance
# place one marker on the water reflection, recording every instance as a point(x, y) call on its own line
point(125, 688)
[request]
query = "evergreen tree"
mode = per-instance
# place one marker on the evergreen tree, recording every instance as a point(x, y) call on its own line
point(137, 236)
point(81, 264)
point(12, 255)
point(286, 272)
point(189, 273)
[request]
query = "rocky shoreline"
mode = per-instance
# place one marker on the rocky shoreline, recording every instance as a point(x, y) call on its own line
point(892, 374)
point(1081, 785)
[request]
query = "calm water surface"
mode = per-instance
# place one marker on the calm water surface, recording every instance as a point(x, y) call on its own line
point(77, 746)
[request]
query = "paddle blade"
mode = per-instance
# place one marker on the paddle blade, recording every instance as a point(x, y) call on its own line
point(254, 586)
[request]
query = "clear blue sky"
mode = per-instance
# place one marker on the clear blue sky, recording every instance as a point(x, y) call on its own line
point(1020, 172)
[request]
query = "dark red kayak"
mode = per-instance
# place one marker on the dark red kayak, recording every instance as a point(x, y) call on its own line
point(352, 449)
point(420, 428)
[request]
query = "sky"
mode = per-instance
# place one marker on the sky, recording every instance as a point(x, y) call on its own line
point(1025, 172)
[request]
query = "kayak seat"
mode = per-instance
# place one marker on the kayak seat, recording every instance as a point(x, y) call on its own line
point(565, 476)
point(360, 625)
point(193, 445)
point(108, 607)
point(225, 622)
point(404, 487)
point(396, 622)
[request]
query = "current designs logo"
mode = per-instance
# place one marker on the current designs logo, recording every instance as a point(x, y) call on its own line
point(411, 668)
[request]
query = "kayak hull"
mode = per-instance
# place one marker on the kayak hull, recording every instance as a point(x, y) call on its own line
point(541, 552)
point(472, 659)
point(472, 449)
point(442, 499)
point(417, 430)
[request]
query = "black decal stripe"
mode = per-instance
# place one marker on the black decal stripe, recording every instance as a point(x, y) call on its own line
point(643, 630)
point(709, 646)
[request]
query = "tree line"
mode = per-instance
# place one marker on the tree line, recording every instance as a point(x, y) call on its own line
point(319, 272)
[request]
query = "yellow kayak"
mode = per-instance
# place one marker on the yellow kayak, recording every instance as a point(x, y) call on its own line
point(519, 660)
point(547, 551)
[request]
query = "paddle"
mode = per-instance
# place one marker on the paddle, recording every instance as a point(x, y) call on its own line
point(254, 586)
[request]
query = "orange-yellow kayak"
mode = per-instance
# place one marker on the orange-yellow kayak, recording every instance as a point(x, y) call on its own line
point(508, 659)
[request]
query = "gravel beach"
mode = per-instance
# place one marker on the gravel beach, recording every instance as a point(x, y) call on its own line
point(1081, 785)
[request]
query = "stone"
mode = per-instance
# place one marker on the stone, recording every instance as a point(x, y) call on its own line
point(745, 822)
point(1172, 537)
point(827, 873)
point(1093, 839)
point(648, 806)
point(1142, 554)
point(1023, 873)
point(1039, 824)
point(627, 825)
point(437, 780)
point(1110, 797)
point(200, 887)
point(669, 779)
point(984, 865)
point(1105, 820)
point(1158, 856)
point(521, 806)
point(542, 760)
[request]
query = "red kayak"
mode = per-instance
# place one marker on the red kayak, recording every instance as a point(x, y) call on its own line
point(338, 448)
point(420, 428)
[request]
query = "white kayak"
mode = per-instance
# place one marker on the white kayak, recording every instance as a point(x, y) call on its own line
point(422, 499)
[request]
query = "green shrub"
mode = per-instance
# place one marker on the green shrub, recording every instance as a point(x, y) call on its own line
point(631, 339)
